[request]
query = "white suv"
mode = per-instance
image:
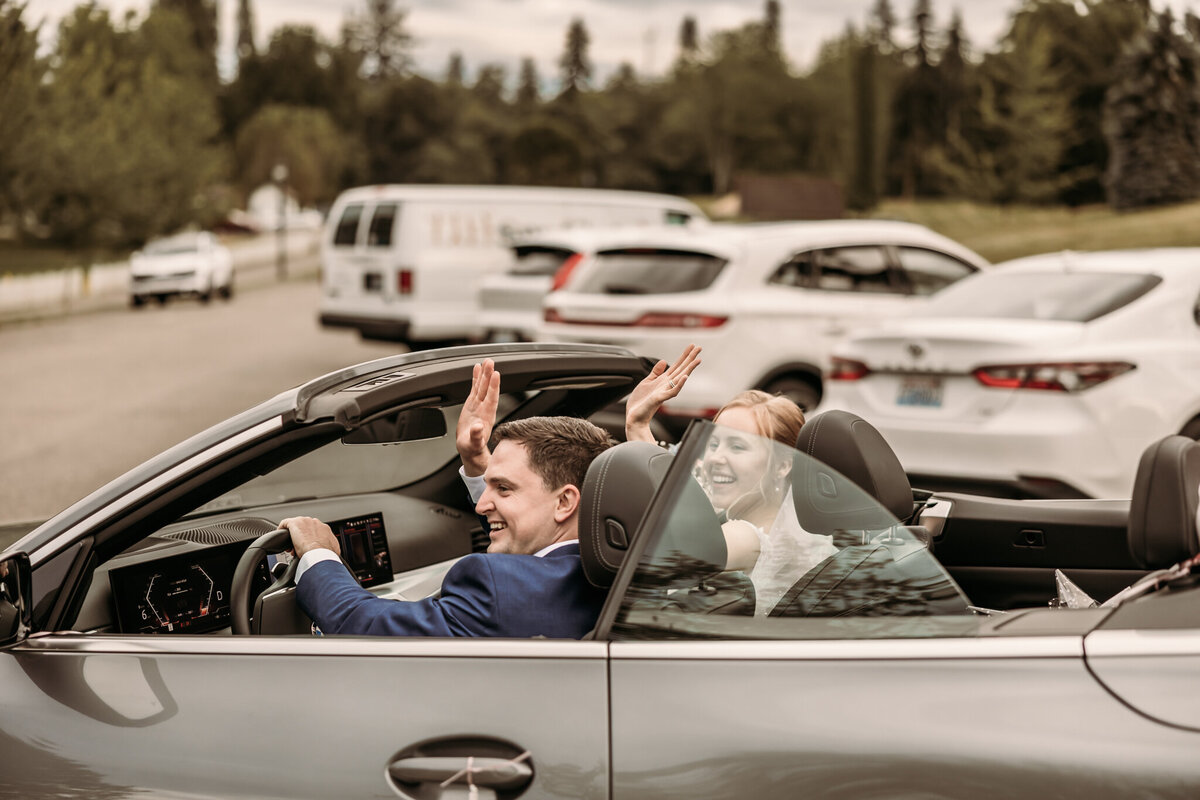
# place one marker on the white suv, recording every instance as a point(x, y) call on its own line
point(765, 301)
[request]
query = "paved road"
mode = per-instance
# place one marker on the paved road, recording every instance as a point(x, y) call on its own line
point(86, 397)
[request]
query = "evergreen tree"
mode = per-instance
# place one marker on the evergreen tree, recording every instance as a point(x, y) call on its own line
point(20, 78)
point(246, 48)
point(882, 25)
point(380, 36)
point(864, 189)
point(454, 69)
point(1152, 121)
point(574, 65)
point(529, 91)
point(772, 26)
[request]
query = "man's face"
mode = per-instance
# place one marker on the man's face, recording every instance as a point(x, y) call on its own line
point(523, 514)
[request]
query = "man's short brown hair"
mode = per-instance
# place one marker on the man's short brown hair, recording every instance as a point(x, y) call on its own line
point(560, 449)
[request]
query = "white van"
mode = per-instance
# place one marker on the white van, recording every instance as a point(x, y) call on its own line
point(404, 262)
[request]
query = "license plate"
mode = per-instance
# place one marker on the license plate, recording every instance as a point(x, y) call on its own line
point(925, 392)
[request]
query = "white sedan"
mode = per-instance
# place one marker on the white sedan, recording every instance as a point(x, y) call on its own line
point(1044, 377)
point(193, 263)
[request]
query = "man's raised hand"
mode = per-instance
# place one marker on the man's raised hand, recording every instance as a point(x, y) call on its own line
point(477, 418)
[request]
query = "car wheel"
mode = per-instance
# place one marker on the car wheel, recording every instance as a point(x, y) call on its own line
point(161, 298)
point(801, 391)
point(207, 294)
point(226, 291)
point(1192, 429)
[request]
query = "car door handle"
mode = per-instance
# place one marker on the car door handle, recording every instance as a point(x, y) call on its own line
point(504, 774)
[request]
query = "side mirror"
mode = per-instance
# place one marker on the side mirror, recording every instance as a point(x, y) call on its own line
point(16, 599)
point(409, 425)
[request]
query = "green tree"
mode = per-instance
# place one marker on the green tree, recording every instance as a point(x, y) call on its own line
point(21, 74)
point(246, 48)
point(529, 90)
point(574, 65)
point(454, 69)
point(380, 36)
point(305, 139)
point(1152, 120)
point(201, 16)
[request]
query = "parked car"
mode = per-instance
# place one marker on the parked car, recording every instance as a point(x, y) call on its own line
point(403, 262)
point(888, 669)
point(192, 263)
point(765, 301)
point(510, 302)
point(1044, 377)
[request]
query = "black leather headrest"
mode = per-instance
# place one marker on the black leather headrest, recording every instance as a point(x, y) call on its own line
point(851, 446)
point(618, 488)
point(1162, 510)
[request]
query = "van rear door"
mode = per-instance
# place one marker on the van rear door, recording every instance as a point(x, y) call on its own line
point(359, 280)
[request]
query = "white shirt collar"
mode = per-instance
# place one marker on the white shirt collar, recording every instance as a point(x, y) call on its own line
point(554, 547)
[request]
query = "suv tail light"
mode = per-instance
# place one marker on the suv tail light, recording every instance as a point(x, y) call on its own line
point(1072, 376)
point(404, 281)
point(847, 369)
point(650, 320)
point(564, 271)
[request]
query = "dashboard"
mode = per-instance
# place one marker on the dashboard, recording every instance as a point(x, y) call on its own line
point(178, 580)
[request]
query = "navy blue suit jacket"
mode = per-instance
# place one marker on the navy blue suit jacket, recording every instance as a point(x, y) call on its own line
point(482, 595)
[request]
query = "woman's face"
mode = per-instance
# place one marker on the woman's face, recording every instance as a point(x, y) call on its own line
point(736, 459)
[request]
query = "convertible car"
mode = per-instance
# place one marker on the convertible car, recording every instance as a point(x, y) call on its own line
point(939, 645)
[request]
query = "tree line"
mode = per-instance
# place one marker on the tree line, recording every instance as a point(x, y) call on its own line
point(126, 129)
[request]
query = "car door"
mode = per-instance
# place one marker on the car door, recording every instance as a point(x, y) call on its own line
point(864, 699)
point(308, 717)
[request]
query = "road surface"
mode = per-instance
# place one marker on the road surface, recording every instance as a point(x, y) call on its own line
point(86, 397)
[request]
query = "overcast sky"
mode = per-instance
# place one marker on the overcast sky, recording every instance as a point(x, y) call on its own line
point(644, 33)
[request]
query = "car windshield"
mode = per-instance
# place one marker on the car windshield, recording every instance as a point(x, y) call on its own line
point(754, 539)
point(172, 246)
point(1064, 296)
point(646, 271)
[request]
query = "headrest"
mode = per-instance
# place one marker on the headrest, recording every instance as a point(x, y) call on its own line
point(618, 488)
point(1162, 510)
point(851, 446)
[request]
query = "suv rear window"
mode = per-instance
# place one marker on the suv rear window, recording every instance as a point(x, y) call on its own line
point(646, 271)
point(1065, 296)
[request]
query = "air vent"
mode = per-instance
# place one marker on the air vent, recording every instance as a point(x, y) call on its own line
point(237, 530)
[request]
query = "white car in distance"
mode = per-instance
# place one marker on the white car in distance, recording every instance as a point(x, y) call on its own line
point(191, 263)
point(1045, 377)
point(766, 301)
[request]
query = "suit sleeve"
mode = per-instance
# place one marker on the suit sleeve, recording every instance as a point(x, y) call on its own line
point(467, 605)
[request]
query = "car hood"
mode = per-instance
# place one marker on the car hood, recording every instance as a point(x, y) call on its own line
point(953, 345)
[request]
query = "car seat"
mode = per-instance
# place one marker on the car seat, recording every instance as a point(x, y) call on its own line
point(1162, 509)
point(853, 488)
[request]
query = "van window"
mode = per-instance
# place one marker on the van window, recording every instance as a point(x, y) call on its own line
point(382, 223)
point(677, 218)
point(347, 226)
point(647, 271)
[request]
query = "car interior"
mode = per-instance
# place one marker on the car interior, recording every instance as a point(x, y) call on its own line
point(384, 474)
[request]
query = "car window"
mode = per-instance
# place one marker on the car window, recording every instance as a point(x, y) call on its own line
point(796, 271)
point(854, 269)
point(347, 226)
point(646, 271)
point(174, 245)
point(540, 260)
point(1065, 296)
point(383, 221)
point(753, 539)
point(929, 271)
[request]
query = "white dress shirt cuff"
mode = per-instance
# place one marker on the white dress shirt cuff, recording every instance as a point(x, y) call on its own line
point(475, 484)
point(314, 556)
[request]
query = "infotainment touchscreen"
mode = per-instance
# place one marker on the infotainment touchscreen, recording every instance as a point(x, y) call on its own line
point(365, 548)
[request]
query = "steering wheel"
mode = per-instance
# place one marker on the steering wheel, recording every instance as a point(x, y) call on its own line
point(275, 610)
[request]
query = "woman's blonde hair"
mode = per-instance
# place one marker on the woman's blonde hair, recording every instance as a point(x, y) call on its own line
point(778, 417)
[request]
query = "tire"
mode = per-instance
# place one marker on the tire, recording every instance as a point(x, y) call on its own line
point(1192, 429)
point(801, 391)
point(226, 291)
point(207, 295)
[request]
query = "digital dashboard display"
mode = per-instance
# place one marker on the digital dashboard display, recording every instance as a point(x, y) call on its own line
point(184, 593)
point(365, 548)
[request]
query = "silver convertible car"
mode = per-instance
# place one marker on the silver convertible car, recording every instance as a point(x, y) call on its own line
point(887, 642)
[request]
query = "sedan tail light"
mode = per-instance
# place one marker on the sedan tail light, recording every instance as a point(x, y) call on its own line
point(1071, 376)
point(650, 320)
point(847, 369)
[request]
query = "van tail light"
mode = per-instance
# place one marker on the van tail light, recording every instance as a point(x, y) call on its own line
point(847, 369)
point(404, 281)
point(650, 320)
point(564, 271)
point(1071, 376)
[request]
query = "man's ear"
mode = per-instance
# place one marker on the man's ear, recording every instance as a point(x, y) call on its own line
point(568, 503)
